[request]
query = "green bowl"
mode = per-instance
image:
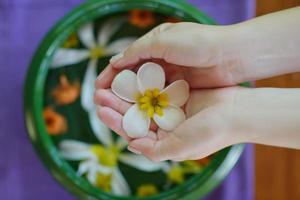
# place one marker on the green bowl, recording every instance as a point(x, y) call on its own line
point(41, 79)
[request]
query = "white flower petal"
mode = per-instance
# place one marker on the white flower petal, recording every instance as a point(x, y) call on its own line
point(103, 170)
point(74, 145)
point(85, 166)
point(86, 36)
point(91, 169)
point(119, 184)
point(125, 86)
point(121, 143)
point(120, 45)
point(165, 167)
point(150, 76)
point(75, 150)
point(101, 131)
point(172, 117)
point(63, 57)
point(91, 176)
point(135, 122)
point(87, 89)
point(108, 29)
point(139, 162)
point(178, 92)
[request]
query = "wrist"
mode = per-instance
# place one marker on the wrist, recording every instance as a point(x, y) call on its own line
point(244, 115)
point(249, 114)
point(234, 48)
point(268, 116)
point(259, 50)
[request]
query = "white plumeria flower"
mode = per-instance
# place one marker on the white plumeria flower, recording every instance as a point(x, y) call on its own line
point(151, 100)
point(103, 160)
point(95, 49)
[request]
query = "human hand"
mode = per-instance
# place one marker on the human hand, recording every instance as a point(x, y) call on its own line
point(180, 62)
point(216, 56)
point(189, 51)
point(208, 57)
point(210, 125)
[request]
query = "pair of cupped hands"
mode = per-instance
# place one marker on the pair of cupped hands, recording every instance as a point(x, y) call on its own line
point(194, 53)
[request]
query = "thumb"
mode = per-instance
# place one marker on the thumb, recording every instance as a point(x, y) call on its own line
point(146, 47)
point(158, 150)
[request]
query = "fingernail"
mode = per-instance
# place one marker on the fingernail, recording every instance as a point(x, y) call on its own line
point(102, 73)
point(101, 76)
point(133, 150)
point(116, 58)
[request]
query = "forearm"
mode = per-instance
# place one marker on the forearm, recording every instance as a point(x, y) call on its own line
point(269, 116)
point(265, 46)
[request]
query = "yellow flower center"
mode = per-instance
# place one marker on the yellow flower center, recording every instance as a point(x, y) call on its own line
point(103, 181)
point(107, 156)
point(176, 174)
point(152, 101)
point(146, 190)
point(191, 166)
point(97, 52)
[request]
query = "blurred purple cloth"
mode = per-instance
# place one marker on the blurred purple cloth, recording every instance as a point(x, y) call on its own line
point(23, 23)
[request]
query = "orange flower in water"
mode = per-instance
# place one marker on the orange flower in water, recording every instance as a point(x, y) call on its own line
point(173, 19)
point(55, 123)
point(204, 161)
point(66, 92)
point(141, 18)
point(72, 41)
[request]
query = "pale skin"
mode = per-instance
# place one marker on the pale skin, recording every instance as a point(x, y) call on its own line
point(213, 60)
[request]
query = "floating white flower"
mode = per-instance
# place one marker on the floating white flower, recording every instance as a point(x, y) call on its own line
point(95, 49)
point(151, 100)
point(100, 162)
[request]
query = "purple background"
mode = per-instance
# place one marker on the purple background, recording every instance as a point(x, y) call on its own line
point(23, 23)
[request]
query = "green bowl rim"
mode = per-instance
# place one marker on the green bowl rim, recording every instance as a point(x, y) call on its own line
point(33, 101)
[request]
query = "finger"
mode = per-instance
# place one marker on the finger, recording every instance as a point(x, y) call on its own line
point(146, 47)
point(173, 72)
point(113, 120)
point(106, 77)
point(161, 134)
point(143, 145)
point(106, 98)
point(158, 150)
point(152, 135)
